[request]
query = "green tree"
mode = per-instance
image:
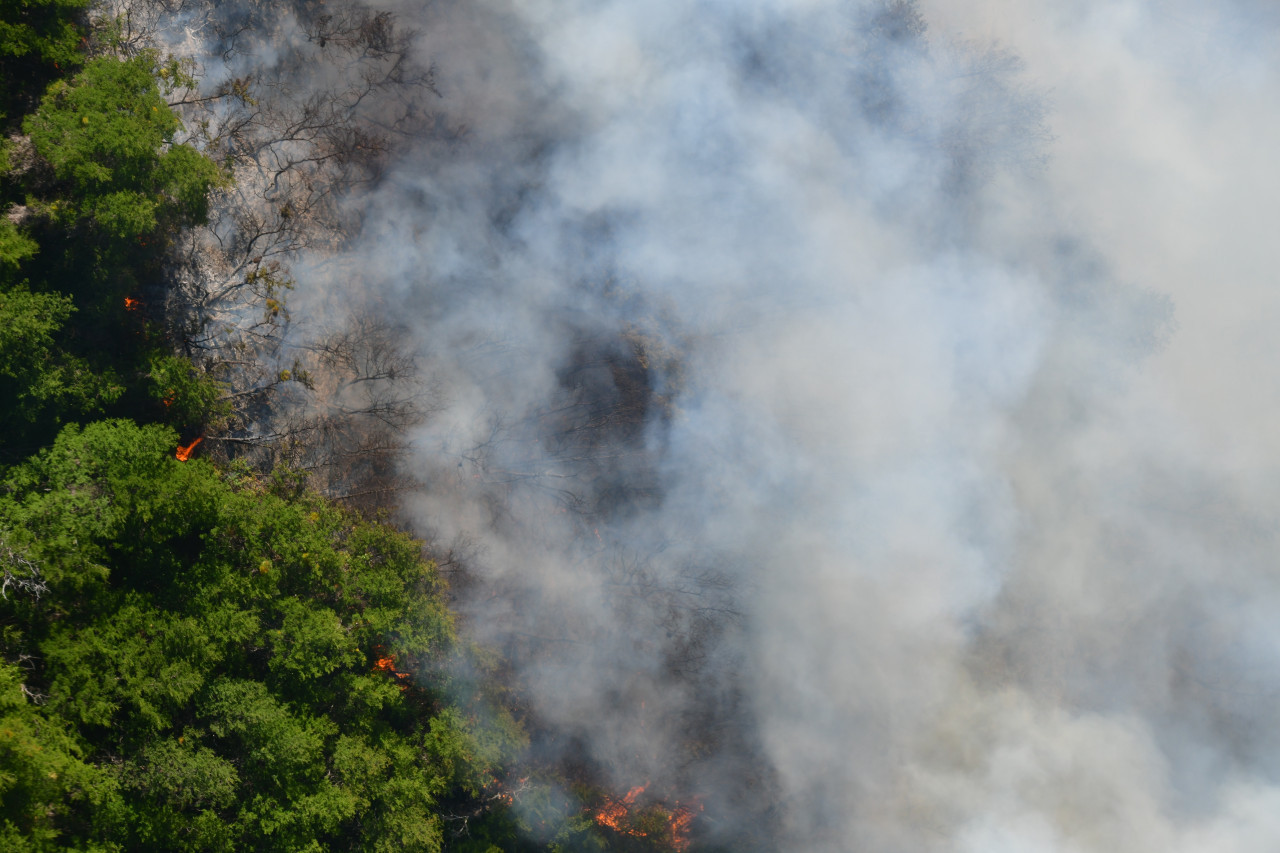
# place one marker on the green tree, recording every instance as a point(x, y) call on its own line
point(14, 248)
point(109, 136)
point(38, 39)
point(43, 778)
point(42, 29)
point(237, 666)
point(35, 373)
point(121, 190)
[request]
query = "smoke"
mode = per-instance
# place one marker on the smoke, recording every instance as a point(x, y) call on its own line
point(815, 418)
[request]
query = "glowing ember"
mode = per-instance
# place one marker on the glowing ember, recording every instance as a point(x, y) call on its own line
point(495, 792)
point(131, 304)
point(184, 453)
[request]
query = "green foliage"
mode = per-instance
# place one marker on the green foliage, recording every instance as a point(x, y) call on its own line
point(41, 29)
point(14, 247)
point(224, 640)
point(183, 177)
point(28, 323)
point(311, 642)
point(43, 779)
point(124, 213)
point(190, 397)
point(39, 39)
point(108, 134)
point(105, 126)
point(122, 188)
point(35, 372)
point(70, 499)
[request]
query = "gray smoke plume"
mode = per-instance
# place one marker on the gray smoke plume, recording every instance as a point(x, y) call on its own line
point(857, 414)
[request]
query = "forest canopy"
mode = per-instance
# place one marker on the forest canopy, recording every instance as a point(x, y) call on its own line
point(208, 650)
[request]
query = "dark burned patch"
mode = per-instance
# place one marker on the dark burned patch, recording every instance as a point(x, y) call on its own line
point(597, 429)
point(610, 388)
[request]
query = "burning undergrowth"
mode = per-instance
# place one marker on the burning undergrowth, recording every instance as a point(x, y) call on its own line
point(630, 815)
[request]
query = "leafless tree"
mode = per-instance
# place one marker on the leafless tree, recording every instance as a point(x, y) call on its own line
point(298, 136)
point(301, 104)
point(20, 574)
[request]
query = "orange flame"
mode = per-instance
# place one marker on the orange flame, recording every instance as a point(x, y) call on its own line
point(614, 813)
point(184, 453)
point(680, 822)
point(388, 664)
point(131, 304)
point(617, 814)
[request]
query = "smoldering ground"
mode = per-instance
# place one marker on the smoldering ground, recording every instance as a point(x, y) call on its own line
point(816, 418)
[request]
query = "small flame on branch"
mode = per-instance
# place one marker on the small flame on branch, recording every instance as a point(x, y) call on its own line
point(184, 453)
point(131, 304)
point(495, 791)
point(680, 823)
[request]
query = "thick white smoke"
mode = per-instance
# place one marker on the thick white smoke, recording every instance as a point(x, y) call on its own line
point(817, 418)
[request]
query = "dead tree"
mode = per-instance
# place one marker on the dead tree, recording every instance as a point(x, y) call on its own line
point(19, 573)
point(299, 135)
